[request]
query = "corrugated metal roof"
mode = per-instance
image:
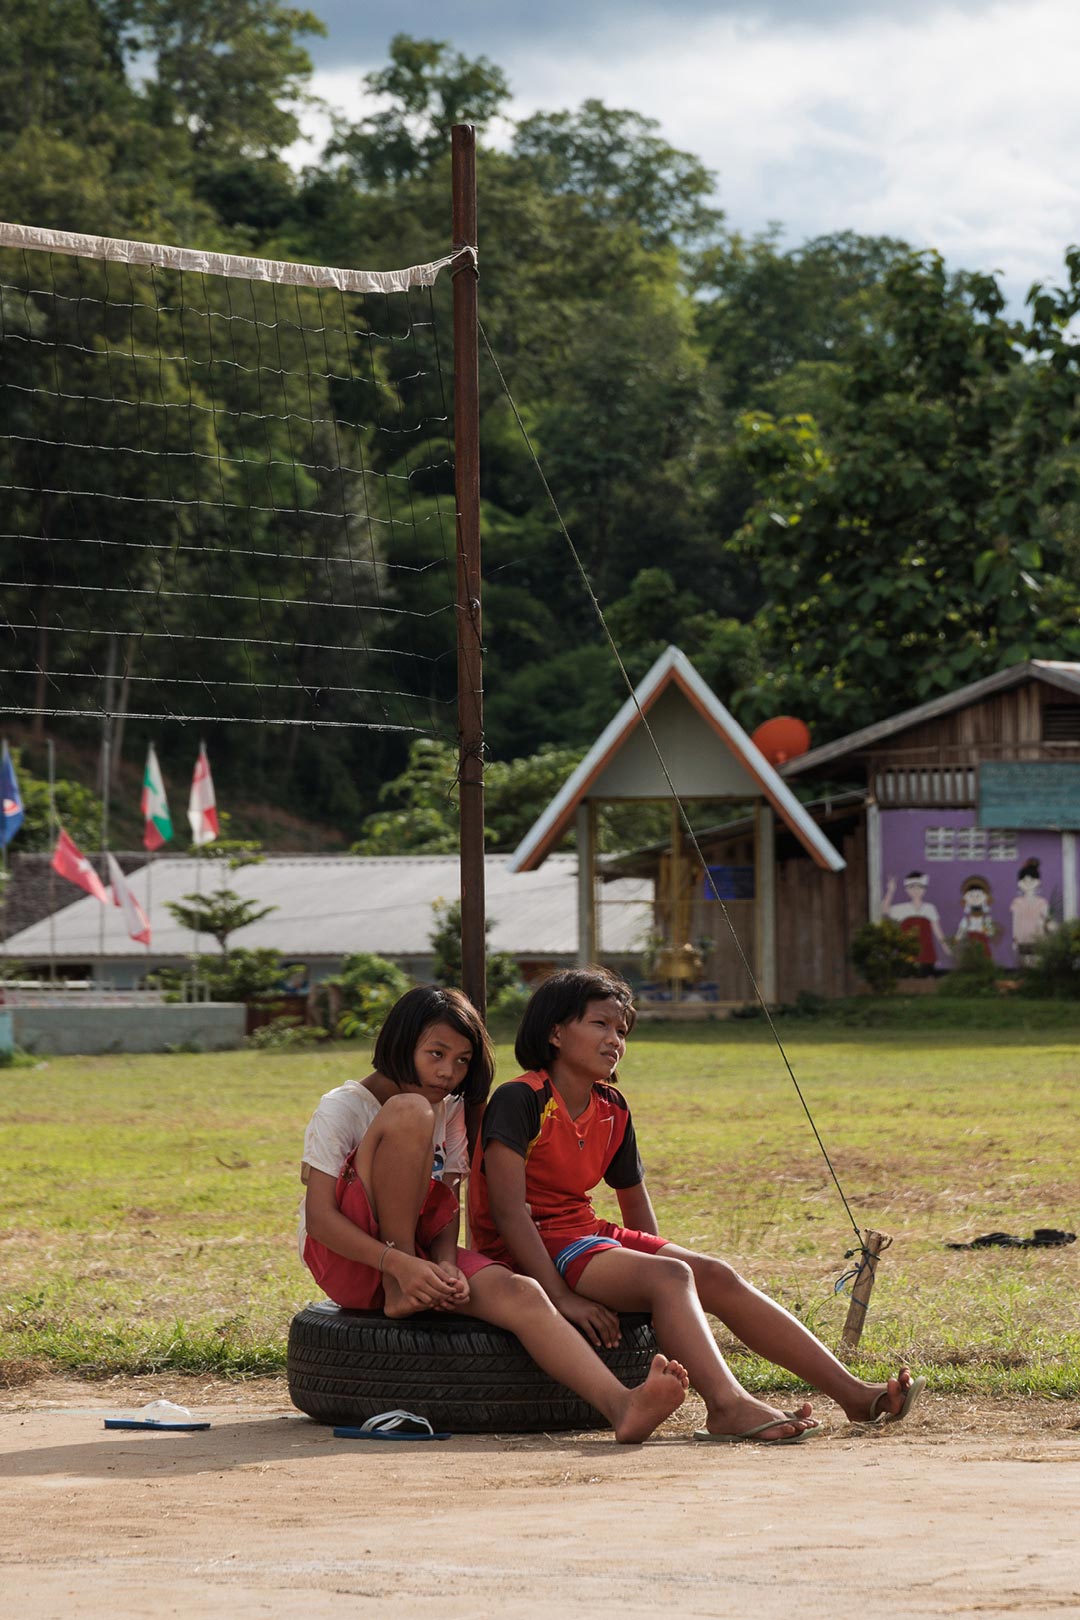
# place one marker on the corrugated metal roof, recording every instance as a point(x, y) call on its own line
point(331, 904)
point(1052, 671)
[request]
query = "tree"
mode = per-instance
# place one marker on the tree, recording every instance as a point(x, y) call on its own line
point(229, 73)
point(515, 794)
point(445, 939)
point(931, 539)
point(613, 161)
point(429, 88)
point(765, 312)
point(223, 912)
point(77, 809)
point(219, 914)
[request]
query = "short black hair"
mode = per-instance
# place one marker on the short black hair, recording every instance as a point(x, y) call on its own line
point(417, 1010)
point(559, 1000)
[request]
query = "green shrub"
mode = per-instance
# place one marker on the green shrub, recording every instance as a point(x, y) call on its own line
point(356, 1001)
point(445, 938)
point(241, 976)
point(1056, 969)
point(973, 974)
point(883, 953)
point(286, 1034)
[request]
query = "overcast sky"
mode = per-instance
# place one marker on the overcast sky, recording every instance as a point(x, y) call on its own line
point(954, 125)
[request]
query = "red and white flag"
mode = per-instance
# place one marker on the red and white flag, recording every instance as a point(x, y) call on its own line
point(202, 806)
point(138, 923)
point(69, 860)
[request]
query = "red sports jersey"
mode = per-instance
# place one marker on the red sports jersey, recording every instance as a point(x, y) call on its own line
point(564, 1158)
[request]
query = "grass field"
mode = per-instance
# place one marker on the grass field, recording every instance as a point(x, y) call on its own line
point(148, 1204)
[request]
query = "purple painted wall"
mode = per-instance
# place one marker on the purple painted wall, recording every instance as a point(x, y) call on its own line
point(973, 887)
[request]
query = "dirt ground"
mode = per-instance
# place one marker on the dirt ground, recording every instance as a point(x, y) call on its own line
point(963, 1510)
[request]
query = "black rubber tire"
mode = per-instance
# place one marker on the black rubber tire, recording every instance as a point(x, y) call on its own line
point(462, 1375)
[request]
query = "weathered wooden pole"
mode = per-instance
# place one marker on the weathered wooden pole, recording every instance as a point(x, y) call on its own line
point(861, 1289)
point(469, 627)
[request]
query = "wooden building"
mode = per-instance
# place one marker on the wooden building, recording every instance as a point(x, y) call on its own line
point(958, 818)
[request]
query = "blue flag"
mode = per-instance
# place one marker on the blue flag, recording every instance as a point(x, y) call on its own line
point(11, 805)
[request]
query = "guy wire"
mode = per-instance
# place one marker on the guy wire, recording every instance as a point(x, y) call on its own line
point(685, 819)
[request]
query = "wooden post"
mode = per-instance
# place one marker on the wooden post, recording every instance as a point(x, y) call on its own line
point(469, 630)
point(765, 902)
point(586, 859)
point(873, 1244)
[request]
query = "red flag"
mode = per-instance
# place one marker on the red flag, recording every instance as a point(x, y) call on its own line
point(69, 860)
point(202, 805)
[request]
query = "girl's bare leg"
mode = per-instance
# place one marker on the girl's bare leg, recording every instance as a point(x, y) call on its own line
point(394, 1163)
point(664, 1286)
point(519, 1304)
point(769, 1330)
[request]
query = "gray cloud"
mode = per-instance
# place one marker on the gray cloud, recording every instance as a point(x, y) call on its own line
point(501, 29)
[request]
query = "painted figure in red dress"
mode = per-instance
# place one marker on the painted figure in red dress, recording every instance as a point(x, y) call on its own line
point(919, 916)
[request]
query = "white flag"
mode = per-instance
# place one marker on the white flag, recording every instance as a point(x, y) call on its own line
point(202, 806)
point(138, 924)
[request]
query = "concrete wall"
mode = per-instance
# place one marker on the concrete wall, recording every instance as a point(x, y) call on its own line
point(209, 1026)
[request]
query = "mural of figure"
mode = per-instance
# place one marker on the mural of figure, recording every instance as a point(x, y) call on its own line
point(976, 924)
point(1031, 919)
point(917, 915)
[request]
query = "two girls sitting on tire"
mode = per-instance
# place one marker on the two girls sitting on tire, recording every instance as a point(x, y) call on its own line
point(383, 1158)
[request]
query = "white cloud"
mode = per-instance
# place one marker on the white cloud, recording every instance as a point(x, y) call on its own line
point(950, 129)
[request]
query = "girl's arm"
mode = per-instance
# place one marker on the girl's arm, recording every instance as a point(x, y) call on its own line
point(636, 1208)
point(422, 1283)
point(326, 1224)
point(505, 1172)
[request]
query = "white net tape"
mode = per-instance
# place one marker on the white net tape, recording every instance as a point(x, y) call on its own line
point(280, 271)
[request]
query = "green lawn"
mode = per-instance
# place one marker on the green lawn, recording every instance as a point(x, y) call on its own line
point(148, 1204)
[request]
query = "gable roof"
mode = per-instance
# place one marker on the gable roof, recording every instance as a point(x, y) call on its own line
point(1064, 676)
point(673, 673)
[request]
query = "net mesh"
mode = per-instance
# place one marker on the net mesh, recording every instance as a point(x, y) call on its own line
point(223, 497)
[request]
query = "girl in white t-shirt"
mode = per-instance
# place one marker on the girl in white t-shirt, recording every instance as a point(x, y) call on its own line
point(383, 1158)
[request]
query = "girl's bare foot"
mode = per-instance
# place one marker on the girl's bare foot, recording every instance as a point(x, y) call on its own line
point(646, 1407)
point(749, 1414)
point(394, 1301)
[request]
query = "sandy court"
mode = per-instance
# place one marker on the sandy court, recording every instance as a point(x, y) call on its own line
point(962, 1511)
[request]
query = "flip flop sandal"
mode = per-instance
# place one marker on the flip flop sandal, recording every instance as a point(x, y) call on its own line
point(150, 1423)
point(161, 1416)
point(396, 1425)
point(911, 1395)
point(754, 1435)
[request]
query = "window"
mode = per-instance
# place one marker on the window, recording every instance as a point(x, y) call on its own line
point(968, 844)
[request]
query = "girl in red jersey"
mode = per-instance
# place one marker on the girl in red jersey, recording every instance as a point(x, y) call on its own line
point(383, 1158)
point(548, 1138)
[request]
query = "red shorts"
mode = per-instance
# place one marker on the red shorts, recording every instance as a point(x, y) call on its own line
point(358, 1287)
point(572, 1255)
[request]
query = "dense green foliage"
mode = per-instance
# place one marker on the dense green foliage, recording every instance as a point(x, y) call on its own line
point(839, 477)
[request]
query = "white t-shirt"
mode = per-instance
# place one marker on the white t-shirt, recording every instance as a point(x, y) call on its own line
point(344, 1117)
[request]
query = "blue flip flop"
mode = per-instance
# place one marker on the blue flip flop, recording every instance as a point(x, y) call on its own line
point(151, 1423)
point(396, 1425)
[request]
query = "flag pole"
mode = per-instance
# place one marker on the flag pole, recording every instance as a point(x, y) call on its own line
point(149, 897)
point(106, 766)
point(50, 749)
